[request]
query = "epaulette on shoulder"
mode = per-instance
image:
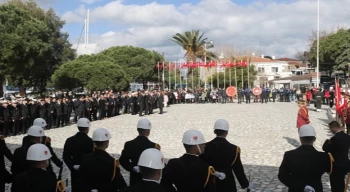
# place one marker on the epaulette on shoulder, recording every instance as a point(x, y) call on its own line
point(157, 146)
point(60, 187)
point(238, 151)
point(48, 140)
point(116, 163)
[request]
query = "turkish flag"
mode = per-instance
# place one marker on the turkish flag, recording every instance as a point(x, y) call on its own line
point(338, 105)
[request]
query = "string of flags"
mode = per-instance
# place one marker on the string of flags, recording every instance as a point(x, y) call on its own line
point(194, 65)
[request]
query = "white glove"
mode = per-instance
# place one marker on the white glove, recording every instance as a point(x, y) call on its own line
point(309, 189)
point(251, 186)
point(220, 175)
point(76, 167)
point(136, 169)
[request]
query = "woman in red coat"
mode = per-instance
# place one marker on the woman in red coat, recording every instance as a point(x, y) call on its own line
point(308, 97)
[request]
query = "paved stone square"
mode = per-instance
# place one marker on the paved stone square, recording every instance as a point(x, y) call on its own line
point(263, 131)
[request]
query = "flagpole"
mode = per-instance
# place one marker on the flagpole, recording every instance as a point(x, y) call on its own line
point(248, 73)
point(192, 74)
point(230, 75)
point(199, 77)
point(217, 77)
point(158, 75)
point(180, 76)
point(169, 71)
point(186, 77)
point(318, 44)
point(211, 76)
point(242, 73)
point(234, 63)
point(163, 76)
point(175, 76)
point(224, 77)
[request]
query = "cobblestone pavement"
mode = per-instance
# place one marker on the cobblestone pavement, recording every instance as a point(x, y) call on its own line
point(263, 131)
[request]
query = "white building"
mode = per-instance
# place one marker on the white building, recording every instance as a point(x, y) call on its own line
point(87, 49)
point(268, 69)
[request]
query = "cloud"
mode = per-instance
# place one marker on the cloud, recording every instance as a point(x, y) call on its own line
point(274, 28)
point(89, 1)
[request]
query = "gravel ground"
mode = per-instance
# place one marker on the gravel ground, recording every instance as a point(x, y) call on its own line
point(263, 131)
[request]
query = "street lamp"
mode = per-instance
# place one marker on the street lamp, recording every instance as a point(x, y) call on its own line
point(208, 46)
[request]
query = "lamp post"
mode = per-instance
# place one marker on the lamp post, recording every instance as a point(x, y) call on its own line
point(318, 45)
point(208, 46)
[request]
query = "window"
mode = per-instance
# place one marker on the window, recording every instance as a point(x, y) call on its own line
point(261, 69)
point(274, 69)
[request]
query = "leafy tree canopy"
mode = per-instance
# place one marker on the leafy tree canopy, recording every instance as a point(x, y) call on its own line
point(114, 68)
point(334, 51)
point(33, 46)
point(95, 72)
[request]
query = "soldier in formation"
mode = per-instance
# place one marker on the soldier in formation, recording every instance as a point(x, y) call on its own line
point(302, 168)
point(338, 146)
point(151, 163)
point(132, 150)
point(225, 158)
point(36, 178)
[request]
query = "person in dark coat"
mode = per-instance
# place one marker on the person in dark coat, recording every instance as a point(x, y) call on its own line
point(102, 104)
point(36, 178)
point(338, 146)
point(58, 108)
point(132, 150)
point(150, 164)
point(75, 148)
point(141, 103)
point(225, 158)
point(15, 117)
point(319, 98)
point(99, 170)
point(331, 97)
point(80, 108)
point(6, 118)
point(302, 168)
point(65, 106)
point(24, 118)
point(189, 172)
point(19, 163)
point(5, 176)
point(146, 103)
point(160, 101)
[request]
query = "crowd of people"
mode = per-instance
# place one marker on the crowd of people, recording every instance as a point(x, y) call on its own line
point(62, 109)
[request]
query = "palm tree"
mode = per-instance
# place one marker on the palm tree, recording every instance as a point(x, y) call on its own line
point(193, 43)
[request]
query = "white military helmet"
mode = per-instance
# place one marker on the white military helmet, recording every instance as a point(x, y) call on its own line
point(144, 124)
point(151, 158)
point(307, 131)
point(39, 122)
point(36, 131)
point(193, 137)
point(101, 134)
point(83, 122)
point(38, 152)
point(221, 124)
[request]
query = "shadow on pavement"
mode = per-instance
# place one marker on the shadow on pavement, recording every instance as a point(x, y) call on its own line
point(292, 141)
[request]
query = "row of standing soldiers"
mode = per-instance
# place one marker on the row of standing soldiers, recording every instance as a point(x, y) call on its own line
point(17, 116)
